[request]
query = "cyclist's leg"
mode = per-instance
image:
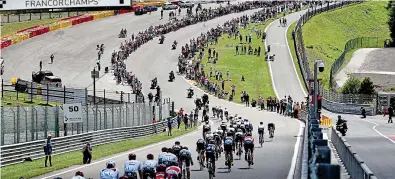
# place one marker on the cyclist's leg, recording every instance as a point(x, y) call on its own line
point(245, 153)
point(188, 164)
point(252, 153)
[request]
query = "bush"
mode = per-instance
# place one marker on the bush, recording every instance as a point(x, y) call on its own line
point(366, 86)
point(351, 86)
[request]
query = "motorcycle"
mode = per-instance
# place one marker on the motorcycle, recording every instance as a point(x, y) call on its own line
point(342, 128)
point(174, 46)
point(171, 78)
point(162, 39)
point(363, 112)
point(190, 93)
point(153, 84)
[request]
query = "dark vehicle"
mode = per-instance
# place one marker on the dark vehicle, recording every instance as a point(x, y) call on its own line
point(38, 77)
point(150, 8)
point(140, 11)
point(174, 46)
point(190, 93)
point(161, 39)
point(171, 76)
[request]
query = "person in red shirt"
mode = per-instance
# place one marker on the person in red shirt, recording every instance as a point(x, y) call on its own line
point(249, 145)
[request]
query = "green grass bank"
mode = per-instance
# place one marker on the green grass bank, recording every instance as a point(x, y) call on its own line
point(36, 168)
point(326, 34)
point(254, 68)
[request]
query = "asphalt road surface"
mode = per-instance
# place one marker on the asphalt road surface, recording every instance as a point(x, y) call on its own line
point(74, 50)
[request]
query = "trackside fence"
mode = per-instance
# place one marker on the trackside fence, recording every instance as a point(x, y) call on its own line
point(16, 153)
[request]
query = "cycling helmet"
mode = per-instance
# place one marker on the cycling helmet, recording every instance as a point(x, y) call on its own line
point(249, 134)
point(207, 122)
point(169, 150)
point(177, 143)
point(132, 156)
point(164, 149)
point(261, 123)
point(150, 157)
point(186, 148)
point(223, 122)
point(79, 173)
point(231, 126)
point(110, 164)
point(229, 134)
point(242, 122)
point(239, 130)
point(211, 142)
point(219, 128)
point(242, 126)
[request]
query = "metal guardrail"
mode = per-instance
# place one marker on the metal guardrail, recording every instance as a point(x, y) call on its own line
point(24, 124)
point(16, 153)
point(351, 160)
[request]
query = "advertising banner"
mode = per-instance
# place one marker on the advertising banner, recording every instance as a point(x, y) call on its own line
point(7, 5)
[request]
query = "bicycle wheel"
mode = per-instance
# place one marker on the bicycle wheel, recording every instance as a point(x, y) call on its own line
point(201, 162)
point(210, 170)
point(249, 158)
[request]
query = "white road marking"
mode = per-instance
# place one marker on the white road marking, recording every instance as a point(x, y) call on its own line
point(301, 125)
point(374, 128)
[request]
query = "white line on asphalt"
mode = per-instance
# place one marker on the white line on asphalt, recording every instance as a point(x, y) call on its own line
point(301, 125)
point(292, 60)
point(374, 128)
point(122, 154)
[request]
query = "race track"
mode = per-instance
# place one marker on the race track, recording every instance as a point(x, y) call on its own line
point(74, 50)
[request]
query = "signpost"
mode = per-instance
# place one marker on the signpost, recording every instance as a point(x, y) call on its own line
point(72, 113)
point(8, 5)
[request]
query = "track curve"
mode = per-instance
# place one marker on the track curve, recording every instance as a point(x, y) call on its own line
point(274, 160)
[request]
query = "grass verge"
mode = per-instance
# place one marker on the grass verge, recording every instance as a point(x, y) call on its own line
point(254, 68)
point(291, 46)
point(326, 34)
point(36, 168)
point(13, 99)
point(10, 28)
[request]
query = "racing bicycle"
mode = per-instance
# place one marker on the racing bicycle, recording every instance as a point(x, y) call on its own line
point(201, 160)
point(271, 132)
point(249, 158)
point(228, 161)
point(239, 150)
point(261, 139)
point(183, 169)
point(210, 169)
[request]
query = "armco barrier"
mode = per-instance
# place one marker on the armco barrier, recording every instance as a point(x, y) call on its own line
point(351, 160)
point(16, 153)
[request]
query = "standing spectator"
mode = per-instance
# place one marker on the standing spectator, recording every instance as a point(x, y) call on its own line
point(52, 57)
point(247, 100)
point(191, 117)
point(87, 153)
point(390, 114)
point(48, 150)
point(169, 124)
point(233, 89)
point(154, 122)
point(186, 121)
point(41, 65)
point(178, 121)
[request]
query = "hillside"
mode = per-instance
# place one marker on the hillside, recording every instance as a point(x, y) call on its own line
point(326, 34)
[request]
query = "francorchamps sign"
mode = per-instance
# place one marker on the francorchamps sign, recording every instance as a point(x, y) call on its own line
point(6, 5)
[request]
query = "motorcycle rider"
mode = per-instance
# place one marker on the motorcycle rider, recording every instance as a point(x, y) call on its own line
point(363, 112)
point(341, 125)
point(171, 76)
point(162, 38)
point(154, 82)
point(174, 46)
point(190, 92)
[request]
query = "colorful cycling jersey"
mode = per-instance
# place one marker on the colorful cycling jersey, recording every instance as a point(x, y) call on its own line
point(228, 141)
point(176, 149)
point(210, 148)
point(150, 165)
point(185, 153)
point(107, 173)
point(168, 159)
point(132, 166)
point(173, 171)
point(248, 140)
point(160, 156)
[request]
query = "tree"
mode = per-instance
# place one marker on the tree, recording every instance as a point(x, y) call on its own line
point(391, 22)
point(351, 86)
point(366, 86)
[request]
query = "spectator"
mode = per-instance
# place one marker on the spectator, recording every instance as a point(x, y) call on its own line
point(390, 114)
point(154, 122)
point(87, 153)
point(169, 124)
point(48, 150)
point(178, 121)
point(186, 121)
point(191, 117)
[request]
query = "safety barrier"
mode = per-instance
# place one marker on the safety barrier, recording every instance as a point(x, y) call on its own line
point(16, 153)
point(351, 160)
point(326, 121)
point(5, 43)
point(101, 15)
point(60, 25)
point(19, 37)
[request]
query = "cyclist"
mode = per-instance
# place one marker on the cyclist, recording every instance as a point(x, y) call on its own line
point(209, 136)
point(206, 129)
point(242, 127)
point(210, 154)
point(221, 113)
point(110, 172)
point(176, 150)
point(238, 124)
point(223, 127)
point(200, 148)
point(249, 145)
point(186, 155)
point(173, 172)
point(220, 131)
point(272, 127)
point(78, 175)
point(239, 139)
point(228, 146)
point(226, 114)
point(232, 130)
point(160, 156)
point(132, 167)
point(248, 125)
point(218, 142)
point(149, 167)
point(261, 130)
